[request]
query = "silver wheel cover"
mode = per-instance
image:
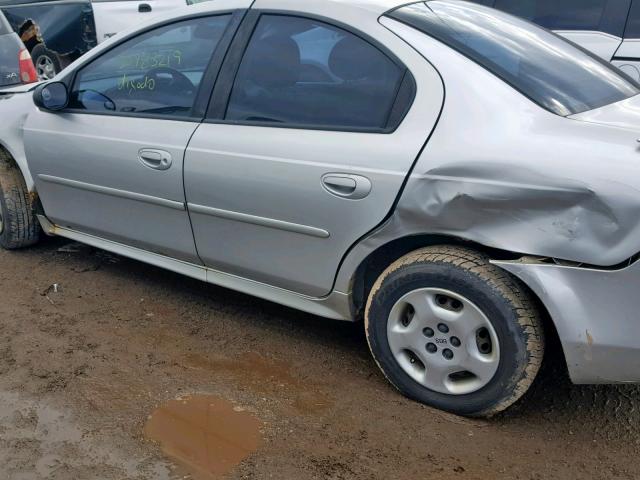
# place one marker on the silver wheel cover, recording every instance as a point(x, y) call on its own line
point(461, 362)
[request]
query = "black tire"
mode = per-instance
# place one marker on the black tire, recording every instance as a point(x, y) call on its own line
point(39, 53)
point(502, 298)
point(19, 226)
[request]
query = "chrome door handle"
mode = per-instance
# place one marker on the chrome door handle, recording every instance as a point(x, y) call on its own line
point(156, 159)
point(345, 185)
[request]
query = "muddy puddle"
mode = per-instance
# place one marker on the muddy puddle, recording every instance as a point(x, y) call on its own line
point(206, 436)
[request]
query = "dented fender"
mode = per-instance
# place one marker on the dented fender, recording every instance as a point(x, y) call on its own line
point(16, 105)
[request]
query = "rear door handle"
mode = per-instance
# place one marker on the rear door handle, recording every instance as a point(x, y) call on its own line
point(156, 159)
point(144, 8)
point(345, 185)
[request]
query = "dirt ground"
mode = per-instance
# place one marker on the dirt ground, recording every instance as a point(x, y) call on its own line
point(82, 368)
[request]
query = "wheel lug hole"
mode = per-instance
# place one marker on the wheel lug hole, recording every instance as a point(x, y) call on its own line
point(431, 347)
point(407, 315)
point(428, 332)
point(483, 341)
point(455, 342)
point(443, 328)
point(448, 354)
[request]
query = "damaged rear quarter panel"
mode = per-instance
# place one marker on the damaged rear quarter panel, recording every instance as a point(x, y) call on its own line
point(503, 172)
point(538, 207)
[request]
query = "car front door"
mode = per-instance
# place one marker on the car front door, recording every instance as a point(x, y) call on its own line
point(111, 163)
point(308, 148)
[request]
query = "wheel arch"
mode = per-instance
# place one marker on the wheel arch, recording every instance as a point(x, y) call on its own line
point(384, 255)
point(372, 266)
point(16, 106)
point(20, 162)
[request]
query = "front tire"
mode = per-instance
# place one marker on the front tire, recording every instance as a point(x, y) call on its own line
point(19, 226)
point(453, 331)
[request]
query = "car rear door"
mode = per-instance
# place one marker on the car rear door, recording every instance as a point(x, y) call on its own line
point(111, 164)
point(310, 136)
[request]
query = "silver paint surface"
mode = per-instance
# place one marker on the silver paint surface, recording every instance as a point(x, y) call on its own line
point(503, 173)
point(597, 315)
point(277, 174)
point(498, 170)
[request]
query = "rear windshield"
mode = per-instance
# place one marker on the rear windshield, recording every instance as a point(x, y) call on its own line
point(556, 74)
point(4, 25)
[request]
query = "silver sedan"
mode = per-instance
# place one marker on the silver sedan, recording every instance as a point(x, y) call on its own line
point(463, 181)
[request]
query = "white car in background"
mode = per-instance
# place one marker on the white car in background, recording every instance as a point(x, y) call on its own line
point(113, 16)
point(608, 28)
point(57, 33)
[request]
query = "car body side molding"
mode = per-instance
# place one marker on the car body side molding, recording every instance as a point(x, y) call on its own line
point(261, 221)
point(113, 192)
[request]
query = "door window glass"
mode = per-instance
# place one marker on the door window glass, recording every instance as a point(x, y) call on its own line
point(157, 72)
point(302, 72)
point(599, 15)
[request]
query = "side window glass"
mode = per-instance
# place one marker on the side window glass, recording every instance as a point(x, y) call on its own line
point(596, 15)
point(157, 72)
point(301, 72)
point(633, 25)
point(5, 28)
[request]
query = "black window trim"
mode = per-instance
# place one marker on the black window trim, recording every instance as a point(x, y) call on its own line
point(222, 91)
point(209, 77)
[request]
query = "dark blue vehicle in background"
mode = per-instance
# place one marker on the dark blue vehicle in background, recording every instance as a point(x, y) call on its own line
point(54, 33)
point(15, 62)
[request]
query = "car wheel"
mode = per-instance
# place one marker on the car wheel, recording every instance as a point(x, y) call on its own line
point(453, 331)
point(46, 62)
point(19, 226)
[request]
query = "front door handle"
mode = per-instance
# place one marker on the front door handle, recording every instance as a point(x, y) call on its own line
point(345, 185)
point(144, 8)
point(156, 159)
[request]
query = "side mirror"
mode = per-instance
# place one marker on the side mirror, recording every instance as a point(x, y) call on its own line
point(51, 96)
